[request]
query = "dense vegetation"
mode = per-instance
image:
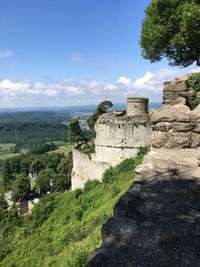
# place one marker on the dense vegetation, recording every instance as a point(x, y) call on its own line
point(65, 227)
point(194, 84)
point(29, 134)
point(14, 171)
point(30, 128)
point(101, 108)
point(171, 29)
point(75, 133)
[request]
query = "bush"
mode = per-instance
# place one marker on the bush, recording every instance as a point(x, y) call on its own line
point(194, 84)
point(109, 175)
point(42, 211)
point(88, 149)
point(90, 185)
point(80, 258)
point(125, 166)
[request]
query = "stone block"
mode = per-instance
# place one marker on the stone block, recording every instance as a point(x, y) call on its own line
point(159, 139)
point(182, 126)
point(197, 128)
point(179, 140)
point(161, 126)
point(195, 140)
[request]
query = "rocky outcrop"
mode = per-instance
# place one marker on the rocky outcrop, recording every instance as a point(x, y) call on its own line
point(175, 125)
point(183, 162)
point(155, 224)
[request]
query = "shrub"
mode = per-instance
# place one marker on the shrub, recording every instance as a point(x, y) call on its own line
point(42, 211)
point(109, 175)
point(88, 149)
point(194, 84)
point(80, 258)
point(90, 185)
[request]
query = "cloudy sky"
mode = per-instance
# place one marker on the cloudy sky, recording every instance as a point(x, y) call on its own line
point(75, 52)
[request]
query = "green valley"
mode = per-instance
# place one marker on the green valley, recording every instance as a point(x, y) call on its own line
point(64, 228)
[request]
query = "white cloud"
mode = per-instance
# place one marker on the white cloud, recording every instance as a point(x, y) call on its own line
point(6, 53)
point(154, 80)
point(14, 86)
point(123, 81)
point(110, 87)
point(71, 92)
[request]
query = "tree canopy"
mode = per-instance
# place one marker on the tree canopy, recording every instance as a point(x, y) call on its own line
point(101, 108)
point(75, 134)
point(171, 29)
point(44, 180)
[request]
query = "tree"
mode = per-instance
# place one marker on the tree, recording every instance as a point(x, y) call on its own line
point(75, 134)
point(3, 207)
point(7, 174)
point(21, 186)
point(61, 182)
point(43, 180)
point(101, 108)
point(171, 29)
point(36, 166)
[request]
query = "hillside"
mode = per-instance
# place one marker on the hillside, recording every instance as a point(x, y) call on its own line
point(66, 227)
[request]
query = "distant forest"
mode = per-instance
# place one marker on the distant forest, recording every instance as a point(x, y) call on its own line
point(34, 127)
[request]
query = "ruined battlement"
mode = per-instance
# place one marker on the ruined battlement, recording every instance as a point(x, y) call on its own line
point(137, 106)
point(119, 135)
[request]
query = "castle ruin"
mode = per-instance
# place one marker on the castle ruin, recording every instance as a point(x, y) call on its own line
point(119, 135)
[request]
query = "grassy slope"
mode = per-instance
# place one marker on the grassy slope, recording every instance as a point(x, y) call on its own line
point(8, 155)
point(73, 229)
point(62, 149)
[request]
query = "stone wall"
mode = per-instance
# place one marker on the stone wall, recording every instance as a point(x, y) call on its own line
point(118, 137)
point(114, 155)
point(86, 168)
point(175, 125)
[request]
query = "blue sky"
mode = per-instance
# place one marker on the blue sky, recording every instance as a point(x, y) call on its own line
point(75, 52)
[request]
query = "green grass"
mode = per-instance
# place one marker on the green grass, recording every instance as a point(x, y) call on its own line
point(57, 143)
point(5, 156)
point(6, 146)
point(65, 228)
point(6, 151)
point(63, 149)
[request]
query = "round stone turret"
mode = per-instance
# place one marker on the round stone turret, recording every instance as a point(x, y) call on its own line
point(137, 106)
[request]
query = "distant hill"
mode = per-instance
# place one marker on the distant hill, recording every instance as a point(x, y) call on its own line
point(72, 109)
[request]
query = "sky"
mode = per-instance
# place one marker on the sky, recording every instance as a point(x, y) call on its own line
point(75, 52)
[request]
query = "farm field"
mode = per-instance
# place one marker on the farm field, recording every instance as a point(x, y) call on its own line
point(7, 150)
point(63, 149)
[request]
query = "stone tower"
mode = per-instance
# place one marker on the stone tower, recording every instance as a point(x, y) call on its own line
point(137, 106)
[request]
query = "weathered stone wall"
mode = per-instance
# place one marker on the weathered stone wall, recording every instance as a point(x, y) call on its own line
point(175, 125)
point(86, 168)
point(122, 131)
point(137, 106)
point(117, 137)
point(114, 155)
